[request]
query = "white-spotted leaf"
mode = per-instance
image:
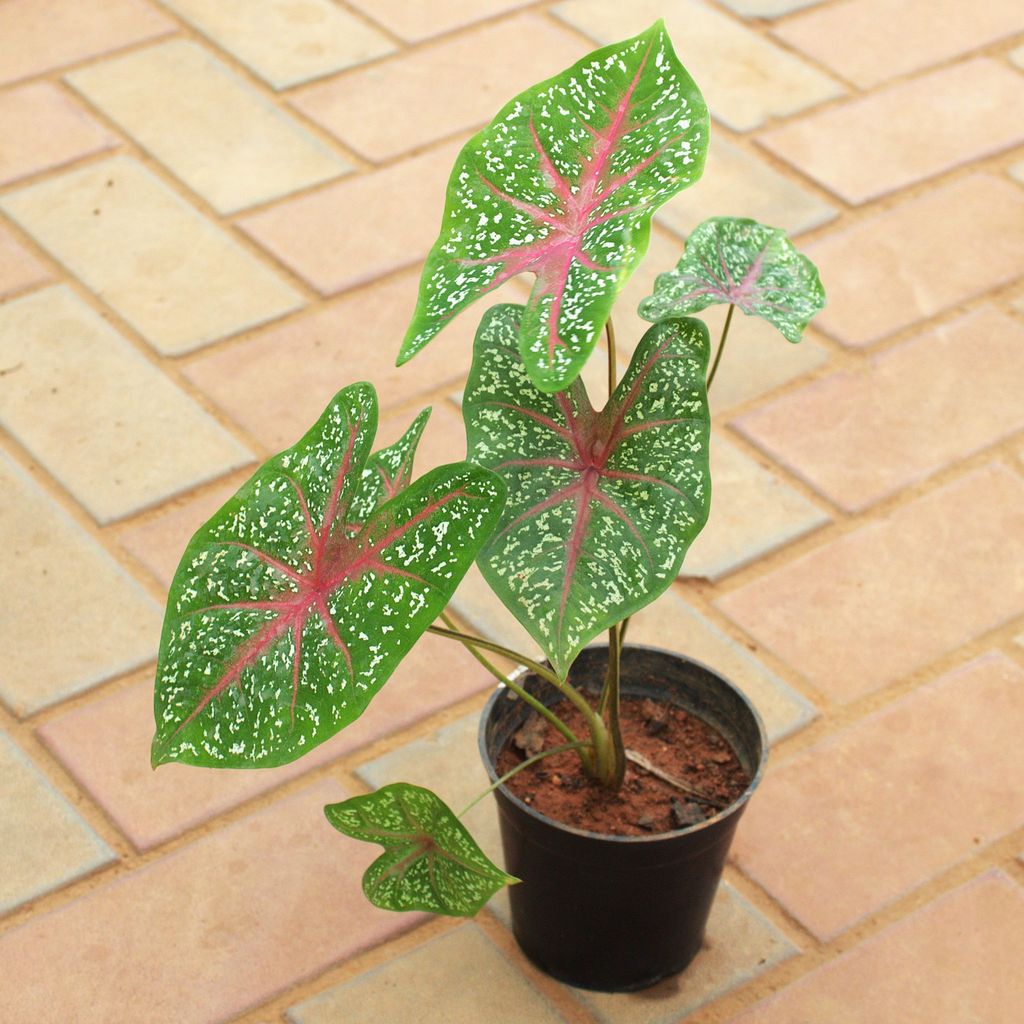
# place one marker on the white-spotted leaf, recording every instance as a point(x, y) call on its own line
point(288, 611)
point(739, 261)
point(430, 862)
point(602, 505)
point(562, 184)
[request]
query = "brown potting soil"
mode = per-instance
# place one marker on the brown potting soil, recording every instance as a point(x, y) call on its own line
point(676, 742)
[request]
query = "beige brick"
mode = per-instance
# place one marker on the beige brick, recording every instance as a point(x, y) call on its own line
point(207, 126)
point(101, 418)
point(870, 41)
point(901, 258)
point(458, 978)
point(66, 587)
point(231, 919)
point(175, 277)
point(893, 595)
point(285, 42)
point(767, 8)
point(752, 512)
point(356, 230)
point(936, 399)
point(153, 808)
point(46, 844)
point(42, 128)
point(917, 129)
point(737, 184)
point(1017, 171)
point(414, 22)
point(39, 35)
point(1017, 56)
point(745, 78)
point(19, 269)
point(384, 110)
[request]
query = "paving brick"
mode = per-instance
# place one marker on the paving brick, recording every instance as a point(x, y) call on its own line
point(285, 42)
point(231, 919)
point(414, 22)
point(901, 258)
point(767, 8)
point(752, 512)
point(359, 229)
point(66, 586)
point(39, 35)
point(918, 128)
point(46, 844)
point(1017, 171)
point(893, 595)
point(924, 397)
point(174, 276)
point(105, 746)
point(870, 41)
point(956, 959)
point(97, 413)
point(738, 184)
point(43, 128)
point(1017, 56)
point(207, 125)
point(745, 78)
point(740, 944)
point(19, 269)
point(383, 110)
point(431, 985)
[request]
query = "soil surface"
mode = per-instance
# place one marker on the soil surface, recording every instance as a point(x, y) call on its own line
point(674, 741)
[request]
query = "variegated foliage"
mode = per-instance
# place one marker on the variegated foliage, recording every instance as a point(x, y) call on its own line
point(295, 602)
point(739, 261)
point(562, 184)
point(602, 505)
point(430, 862)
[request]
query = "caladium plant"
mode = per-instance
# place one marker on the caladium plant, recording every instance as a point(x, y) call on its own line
point(294, 604)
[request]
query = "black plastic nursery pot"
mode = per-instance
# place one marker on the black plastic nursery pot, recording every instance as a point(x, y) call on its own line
point(619, 913)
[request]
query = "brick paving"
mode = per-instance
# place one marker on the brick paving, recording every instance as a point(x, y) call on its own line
point(211, 217)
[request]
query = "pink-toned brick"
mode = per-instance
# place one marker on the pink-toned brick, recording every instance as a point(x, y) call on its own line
point(43, 128)
point(933, 400)
point(414, 21)
point(917, 33)
point(891, 596)
point(19, 269)
point(908, 796)
point(907, 132)
point(105, 746)
point(955, 960)
point(361, 228)
point(383, 110)
point(211, 930)
point(38, 35)
point(921, 257)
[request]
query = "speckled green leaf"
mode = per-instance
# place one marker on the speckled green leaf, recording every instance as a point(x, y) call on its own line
point(430, 862)
point(602, 505)
point(562, 184)
point(387, 471)
point(288, 612)
point(739, 261)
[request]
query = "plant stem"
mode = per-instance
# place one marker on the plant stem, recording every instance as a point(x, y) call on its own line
point(612, 366)
point(518, 768)
point(611, 767)
point(721, 344)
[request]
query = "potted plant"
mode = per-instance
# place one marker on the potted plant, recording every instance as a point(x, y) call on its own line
point(294, 603)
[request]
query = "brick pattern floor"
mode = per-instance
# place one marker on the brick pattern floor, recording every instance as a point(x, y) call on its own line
point(212, 214)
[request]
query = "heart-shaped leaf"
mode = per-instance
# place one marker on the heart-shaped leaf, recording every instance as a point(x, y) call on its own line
point(288, 612)
point(562, 184)
point(602, 505)
point(387, 471)
point(739, 261)
point(430, 862)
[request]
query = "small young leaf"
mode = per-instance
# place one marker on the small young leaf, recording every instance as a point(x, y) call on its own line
point(562, 184)
point(387, 471)
point(739, 261)
point(430, 862)
point(289, 611)
point(602, 505)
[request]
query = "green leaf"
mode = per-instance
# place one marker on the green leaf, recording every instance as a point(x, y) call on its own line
point(602, 505)
point(562, 184)
point(289, 611)
point(739, 261)
point(387, 471)
point(430, 862)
